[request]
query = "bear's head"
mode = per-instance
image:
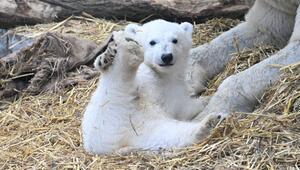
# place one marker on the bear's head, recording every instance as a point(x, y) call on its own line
point(166, 45)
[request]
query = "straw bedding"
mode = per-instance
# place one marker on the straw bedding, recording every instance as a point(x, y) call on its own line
point(43, 131)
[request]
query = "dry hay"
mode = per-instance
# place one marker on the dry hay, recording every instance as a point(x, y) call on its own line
point(240, 61)
point(43, 131)
point(89, 28)
point(207, 31)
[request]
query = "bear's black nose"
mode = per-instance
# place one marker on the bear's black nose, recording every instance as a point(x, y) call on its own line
point(167, 58)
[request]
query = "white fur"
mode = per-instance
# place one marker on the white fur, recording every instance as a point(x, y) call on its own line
point(274, 22)
point(165, 86)
point(136, 107)
point(116, 118)
point(267, 22)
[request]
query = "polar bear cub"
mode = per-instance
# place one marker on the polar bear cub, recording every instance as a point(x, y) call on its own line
point(161, 77)
point(116, 119)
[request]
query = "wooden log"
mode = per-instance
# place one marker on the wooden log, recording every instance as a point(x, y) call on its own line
point(20, 12)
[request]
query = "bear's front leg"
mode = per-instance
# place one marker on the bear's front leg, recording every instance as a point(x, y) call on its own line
point(241, 92)
point(130, 52)
point(105, 121)
point(264, 24)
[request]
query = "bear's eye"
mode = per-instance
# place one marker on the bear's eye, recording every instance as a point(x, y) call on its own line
point(174, 41)
point(152, 43)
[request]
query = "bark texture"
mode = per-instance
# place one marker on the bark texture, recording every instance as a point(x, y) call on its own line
point(20, 12)
point(52, 62)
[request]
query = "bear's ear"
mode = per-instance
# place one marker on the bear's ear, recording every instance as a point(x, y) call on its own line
point(187, 27)
point(131, 30)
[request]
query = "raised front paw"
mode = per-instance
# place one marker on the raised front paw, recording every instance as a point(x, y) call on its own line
point(131, 50)
point(104, 60)
point(125, 54)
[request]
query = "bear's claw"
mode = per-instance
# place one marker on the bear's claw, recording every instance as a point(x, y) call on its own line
point(104, 60)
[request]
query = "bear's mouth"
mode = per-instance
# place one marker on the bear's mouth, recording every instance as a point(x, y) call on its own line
point(165, 65)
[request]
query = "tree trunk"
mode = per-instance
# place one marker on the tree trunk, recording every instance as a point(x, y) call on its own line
point(20, 12)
